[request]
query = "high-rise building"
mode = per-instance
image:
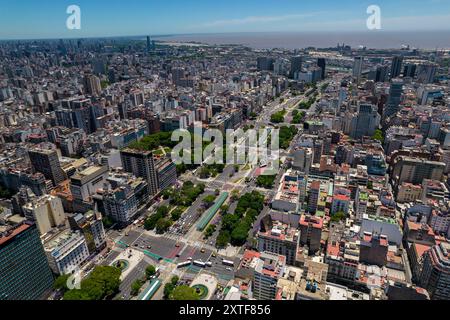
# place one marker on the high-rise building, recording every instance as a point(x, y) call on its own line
point(302, 159)
point(91, 225)
point(265, 63)
point(310, 232)
point(92, 85)
point(84, 183)
point(149, 44)
point(415, 170)
point(395, 97)
point(426, 73)
point(435, 276)
point(46, 161)
point(269, 268)
point(279, 238)
point(24, 270)
point(357, 68)
point(167, 173)
point(141, 164)
point(396, 67)
point(296, 65)
point(321, 62)
point(314, 193)
point(366, 122)
point(409, 70)
point(374, 249)
point(125, 197)
point(379, 74)
point(66, 251)
point(47, 211)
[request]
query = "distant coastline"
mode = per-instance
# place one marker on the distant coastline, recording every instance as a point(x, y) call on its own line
point(296, 40)
point(424, 40)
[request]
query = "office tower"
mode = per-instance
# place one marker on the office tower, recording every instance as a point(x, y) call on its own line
point(99, 66)
point(357, 68)
point(366, 122)
point(410, 70)
point(310, 232)
point(379, 74)
point(269, 268)
point(78, 113)
point(280, 67)
point(279, 238)
point(265, 63)
point(47, 211)
point(66, 251)
point(296, 65)
point(426, 73)
point(395, 96)
point(396, 67)
point(46, 161)
point(149, 44)
point(321, 62)
point(92, 85)
point(24, 270)
point(178, 74)
point(141, 164)
point(435, 276)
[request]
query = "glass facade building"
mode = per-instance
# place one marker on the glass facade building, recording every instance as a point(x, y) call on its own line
point(24, 270)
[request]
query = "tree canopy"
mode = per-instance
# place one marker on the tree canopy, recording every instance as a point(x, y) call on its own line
point(184, 293)
point(102, 283)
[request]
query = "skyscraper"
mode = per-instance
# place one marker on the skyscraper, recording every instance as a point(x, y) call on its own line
point(296, 65)
point(426, 73)
point(379, 74)
point(357, 68)
point(46, 161)
point(24, 270)
point(396, 67)
point(265, 63)
point(321, 62)
point(409, 70)
point(92, 85)
point(395, 96)
point(141, 164)
point(366, 122)
point(149, 44)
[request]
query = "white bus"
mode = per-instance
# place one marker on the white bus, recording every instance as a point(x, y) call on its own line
point(183, 264)
point(199, 264)
point(228, 263)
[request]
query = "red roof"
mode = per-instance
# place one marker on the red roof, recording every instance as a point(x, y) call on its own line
point(14, 233)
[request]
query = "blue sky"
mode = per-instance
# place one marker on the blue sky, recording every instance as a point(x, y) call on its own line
point(27, 19)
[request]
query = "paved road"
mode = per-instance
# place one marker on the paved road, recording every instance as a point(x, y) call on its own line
point(138, 272)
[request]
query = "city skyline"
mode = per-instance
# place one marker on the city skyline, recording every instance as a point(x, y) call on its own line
point(29, 20)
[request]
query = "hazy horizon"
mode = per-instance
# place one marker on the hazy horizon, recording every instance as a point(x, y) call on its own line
point(292, 40)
